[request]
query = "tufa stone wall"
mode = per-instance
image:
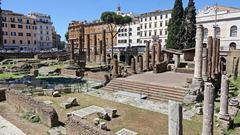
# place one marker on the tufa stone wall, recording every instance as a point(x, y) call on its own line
point(47, 114)
point(78, 126)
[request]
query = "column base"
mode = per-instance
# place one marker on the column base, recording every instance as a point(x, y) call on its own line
point(225, 117)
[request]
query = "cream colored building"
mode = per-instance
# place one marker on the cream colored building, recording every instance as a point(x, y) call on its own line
point(226, 20)
point(19, 32)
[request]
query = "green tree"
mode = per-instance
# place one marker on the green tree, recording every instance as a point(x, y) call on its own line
point(113, 20)
point(175, 27)
point(190, 25)
point(67, 36)
point(62, 45)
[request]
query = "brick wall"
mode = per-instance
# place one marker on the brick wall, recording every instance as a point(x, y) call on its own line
point(78, 126)
point(47, 114)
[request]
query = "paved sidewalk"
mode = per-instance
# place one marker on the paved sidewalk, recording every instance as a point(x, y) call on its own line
point(7, 128)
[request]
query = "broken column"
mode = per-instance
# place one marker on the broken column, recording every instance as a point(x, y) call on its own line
point(176, 60)
point(147, 56)
point(174, 118)
point(223, 114)
point(159, 52)
point(210, 49)
point(88, 48)
point(214, 52)
point(197, 80)
point(208, 109)
point(115, 67)
point(140, 64)
point(100, 51)
point(133, 65)
point(153, 55)
point(104, 51)
point(95, 48)
point(205, 64)
point(72, 50)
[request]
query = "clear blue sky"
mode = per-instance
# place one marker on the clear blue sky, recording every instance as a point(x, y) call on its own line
point(63, 11)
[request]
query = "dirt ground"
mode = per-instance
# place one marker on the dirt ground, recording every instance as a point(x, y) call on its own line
point(12, 115)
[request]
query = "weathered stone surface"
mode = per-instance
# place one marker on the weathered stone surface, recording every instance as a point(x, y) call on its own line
point(224, 96)
point(153, 56)
point(160, 67)
point(2, 94)
point(133, 66)
point(72, 50)
point(234, 102)
point(103, 125)
point(208, 109)
point(72, 101)
point(78, 126)
point(65, 105)
point(175, 115)
point(57, 131)
point(47, 114)
point(205, 64)
point(210, 46)
point(147, 56)
point(159, 51)
point(88, 48)
point(111, 112)
point(104, 115)
point(104, 51)
point(115, 68)
point(56, 94)
point(140, 64)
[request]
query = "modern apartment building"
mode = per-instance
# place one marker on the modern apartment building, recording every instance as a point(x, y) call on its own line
point(153, 26)
point(19, 31)
point(226, 21)
point(44, 30)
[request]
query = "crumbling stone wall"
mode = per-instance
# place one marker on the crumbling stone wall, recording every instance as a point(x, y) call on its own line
point(160, 67)
point(47, 114)
point(78, 126)
point(2, 94)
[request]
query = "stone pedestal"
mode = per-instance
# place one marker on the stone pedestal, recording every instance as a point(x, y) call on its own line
point(147, 56)
point(174, 118)
point(223, 114)
point(159, 52)
point(208, 109)
point(153, 56)
point(104, 51)
point(88, 48)
point(205, 64)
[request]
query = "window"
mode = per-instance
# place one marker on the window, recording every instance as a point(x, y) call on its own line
point(130, 29)
point(19, 20)
point(145, 25)
point(218, 31)
point(166, 23)
point(205, 33)
point(28, 34)
point(145, 19)
point(130, 40)
point(160, 16)
point(138, 40)
point(166, 15)
point(47, 32)
point(138, 33)
point(41, 38)
point(138, 28)
point(5, 41)
point(12, 19)
point(150, 33)
point(28, 22)
point(3, 24)
point(21, 42)
point(160, 24)
point(13, 26)
point(155, 24)
point(166, 32)
point(29, 42)
point(155, 17)
point(41, 32)
point(41, 27)
point(145, 33)
point(46, 27)
point(155, 32)
point(150, 25)
point(130, 34)
point(233, 31)
point(47, 38)
point(160, 32)
point(13, 41)
point(6, 33)
point(150, 18)
point(20, 34)
point(20, 26)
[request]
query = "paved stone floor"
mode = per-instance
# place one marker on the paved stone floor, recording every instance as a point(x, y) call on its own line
point(7, 128)
point(87, 111)
point(172, 79)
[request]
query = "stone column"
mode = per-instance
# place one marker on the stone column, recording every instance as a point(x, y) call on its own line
point(140, 64)
point(217, 70)
point(153, 55)
point(197, 80)
point(205, 64)
point(88, 48)
point(104, 51)
point(159, 46)
point(214, 51)
point(115, 67)
point(174, 118)
point(72, 50)
point(95, 48)
point(80, 43)
point(176, 60)
point(133, 65)
point(100, 51)
point(147, 56)
point(208, 109)
point(224, 98)
point(210, 46)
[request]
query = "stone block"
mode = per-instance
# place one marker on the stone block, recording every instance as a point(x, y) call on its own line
point(56, 94)
point(65, 105)
point(103, 125)
point(104, 115)
point(111, 112)
point(72, 101)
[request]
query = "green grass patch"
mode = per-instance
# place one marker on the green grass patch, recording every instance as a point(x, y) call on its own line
point(33, 118)
point(8, 75)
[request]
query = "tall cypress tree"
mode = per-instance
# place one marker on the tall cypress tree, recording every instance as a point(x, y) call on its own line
point(190, 25)
point(175, 29)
